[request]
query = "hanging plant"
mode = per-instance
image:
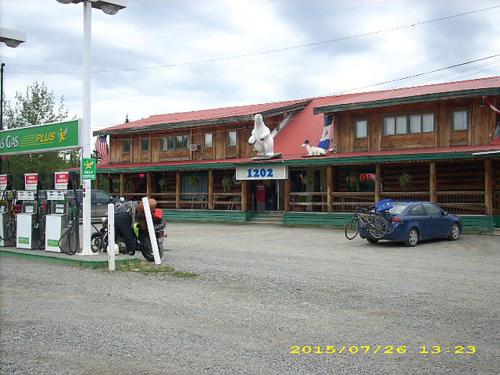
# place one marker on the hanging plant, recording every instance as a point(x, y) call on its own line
point(353, 181)
point(227, 184)
point(194, 181)
point(404, 180)
point(163, 183)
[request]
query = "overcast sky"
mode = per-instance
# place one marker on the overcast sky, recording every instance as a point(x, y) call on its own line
point(161, 56)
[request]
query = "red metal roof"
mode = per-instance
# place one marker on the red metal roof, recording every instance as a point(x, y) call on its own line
point(405, 92)
point(203, 115)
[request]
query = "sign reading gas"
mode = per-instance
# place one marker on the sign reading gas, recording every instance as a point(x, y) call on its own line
point(40, 138)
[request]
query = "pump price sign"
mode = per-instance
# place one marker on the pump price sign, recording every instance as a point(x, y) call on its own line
point(30, 181)
point(61, 180)
point(89, 169)
point(3, 182)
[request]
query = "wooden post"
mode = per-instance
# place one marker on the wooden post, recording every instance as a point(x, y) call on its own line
point(122, 184)
point(149, 183)
point(488, 187)
point(378, 181)
point(433, 182)
point(329, 187)
point(210, 189)
point(178, 190)
point(288, 186)
point(244, 195)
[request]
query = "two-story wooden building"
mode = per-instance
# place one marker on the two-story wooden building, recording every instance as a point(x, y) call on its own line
point(434, 142)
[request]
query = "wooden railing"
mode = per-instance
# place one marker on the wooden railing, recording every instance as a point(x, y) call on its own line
point(194, 200)
point(309, 201)
point(165, 200)
point(229, 201)
point(409, 195)
point(462, 202)
point(347, 201)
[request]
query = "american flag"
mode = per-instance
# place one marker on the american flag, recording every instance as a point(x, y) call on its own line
point(101, 146)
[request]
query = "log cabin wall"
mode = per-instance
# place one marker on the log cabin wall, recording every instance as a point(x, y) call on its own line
point(481, 123)
point(418, 180)
point(496, 187)
point(460, 176)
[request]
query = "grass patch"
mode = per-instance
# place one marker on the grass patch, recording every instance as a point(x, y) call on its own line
point(148, 267)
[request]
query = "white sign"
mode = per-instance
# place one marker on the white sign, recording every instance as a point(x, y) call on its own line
point(55, 195)
point(3, 182)
point(24, 195)
point(262, 172)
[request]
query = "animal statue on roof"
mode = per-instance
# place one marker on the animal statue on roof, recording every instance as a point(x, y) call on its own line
point(261, 137)
point(313, 150)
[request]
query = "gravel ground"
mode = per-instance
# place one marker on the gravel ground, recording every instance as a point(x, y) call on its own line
point(253, 301)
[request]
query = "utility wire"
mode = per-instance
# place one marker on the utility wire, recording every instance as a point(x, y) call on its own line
point(289, 48)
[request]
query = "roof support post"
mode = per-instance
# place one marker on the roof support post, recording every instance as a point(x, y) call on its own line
point(110, 183)
point(378, 181)
point(178, 190)
point(244, 195)
point(149, 181)
point(432, 182)
point(488, 187)
point(210, 189)
point(122, 184)
point(329, 187)
point(288, 186)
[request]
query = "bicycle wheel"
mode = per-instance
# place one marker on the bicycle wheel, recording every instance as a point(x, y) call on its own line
point(377, 226)
point(96, 242)
point(352, 228)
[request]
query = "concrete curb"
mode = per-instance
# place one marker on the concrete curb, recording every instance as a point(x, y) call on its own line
point(94, 261)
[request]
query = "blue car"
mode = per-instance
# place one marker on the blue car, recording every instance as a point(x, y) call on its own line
point(415, 221)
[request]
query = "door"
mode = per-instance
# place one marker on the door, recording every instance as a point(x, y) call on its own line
point(418, 215)
point(439, 223)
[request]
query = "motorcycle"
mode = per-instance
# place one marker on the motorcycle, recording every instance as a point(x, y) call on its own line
point(99, 239)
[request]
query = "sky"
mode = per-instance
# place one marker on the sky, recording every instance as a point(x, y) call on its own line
point(163, 56)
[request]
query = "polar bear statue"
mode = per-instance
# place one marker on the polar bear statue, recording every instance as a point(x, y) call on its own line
point(261, 138)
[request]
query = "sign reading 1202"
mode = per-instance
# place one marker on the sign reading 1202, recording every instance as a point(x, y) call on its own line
point(260, 172)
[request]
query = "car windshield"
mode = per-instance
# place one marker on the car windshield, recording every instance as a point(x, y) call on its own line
point(398, 207)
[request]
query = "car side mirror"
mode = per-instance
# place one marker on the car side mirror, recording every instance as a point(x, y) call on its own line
point(445, 213)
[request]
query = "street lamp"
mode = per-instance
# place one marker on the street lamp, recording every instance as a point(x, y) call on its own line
point(109, 7)
point(12, 38)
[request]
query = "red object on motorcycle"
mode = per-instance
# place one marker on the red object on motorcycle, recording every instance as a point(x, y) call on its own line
point(157, 214)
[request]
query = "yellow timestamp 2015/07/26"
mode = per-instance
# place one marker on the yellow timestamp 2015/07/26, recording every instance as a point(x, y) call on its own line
point(383, 349)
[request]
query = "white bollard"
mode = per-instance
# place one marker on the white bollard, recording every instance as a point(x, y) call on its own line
point(111, 237)
point(151, 230)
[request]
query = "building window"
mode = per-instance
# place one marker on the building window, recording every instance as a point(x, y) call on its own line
point(126, 146)
point(144, 145)
point(208, 140)
point(175, 142)
point(412, 124)
point(460, 120)
point(361, 128)
point(231, 138)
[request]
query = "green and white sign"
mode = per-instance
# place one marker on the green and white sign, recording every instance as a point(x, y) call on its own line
point(40, 138)
point(89, 169)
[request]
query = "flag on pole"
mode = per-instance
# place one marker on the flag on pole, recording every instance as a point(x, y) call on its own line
point(101, 146)
point(327, 137)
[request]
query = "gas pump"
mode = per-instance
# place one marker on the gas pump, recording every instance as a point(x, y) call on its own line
point(69, 234)
point(7, 217)
point(56, 219)
point(27, 224)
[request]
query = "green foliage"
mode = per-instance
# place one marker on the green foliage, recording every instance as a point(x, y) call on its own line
point(404, 180)
point(227, 184)
point(37, 106)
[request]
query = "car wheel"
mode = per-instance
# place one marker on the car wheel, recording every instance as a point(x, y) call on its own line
point(412, 238)
point(371, 240)
point(454, 232)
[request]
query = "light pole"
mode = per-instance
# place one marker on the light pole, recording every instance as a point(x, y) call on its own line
point(12, 38)
point(109, 7)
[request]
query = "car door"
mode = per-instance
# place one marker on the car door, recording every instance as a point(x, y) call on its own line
point(416, 215)
point(439, 223)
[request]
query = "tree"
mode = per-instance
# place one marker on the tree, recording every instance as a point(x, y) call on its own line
point(37, 106)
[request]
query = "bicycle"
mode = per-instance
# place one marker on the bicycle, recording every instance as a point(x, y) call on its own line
point(375, 223)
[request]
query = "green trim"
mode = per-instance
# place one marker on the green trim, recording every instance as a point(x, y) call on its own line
point(406, 100)
point(58, 258)
point(207, 216)
point(496, 221)
point(337, 160)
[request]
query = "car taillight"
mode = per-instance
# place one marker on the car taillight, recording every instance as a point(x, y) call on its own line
point(397, 219)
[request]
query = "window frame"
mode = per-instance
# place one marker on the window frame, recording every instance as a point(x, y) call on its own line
point(228, 138)
point(211, 140)
point(393, 118)
point(457, 110)
point(126, 142)
point(142, 144)
point(174, 140)
point(360, 120)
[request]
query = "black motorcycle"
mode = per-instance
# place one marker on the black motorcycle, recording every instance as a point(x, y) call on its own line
point(99, 239)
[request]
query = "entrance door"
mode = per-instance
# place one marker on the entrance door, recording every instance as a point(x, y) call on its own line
point(264, 195)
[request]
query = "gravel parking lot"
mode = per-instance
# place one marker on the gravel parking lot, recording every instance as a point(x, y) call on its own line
point(260, 291)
